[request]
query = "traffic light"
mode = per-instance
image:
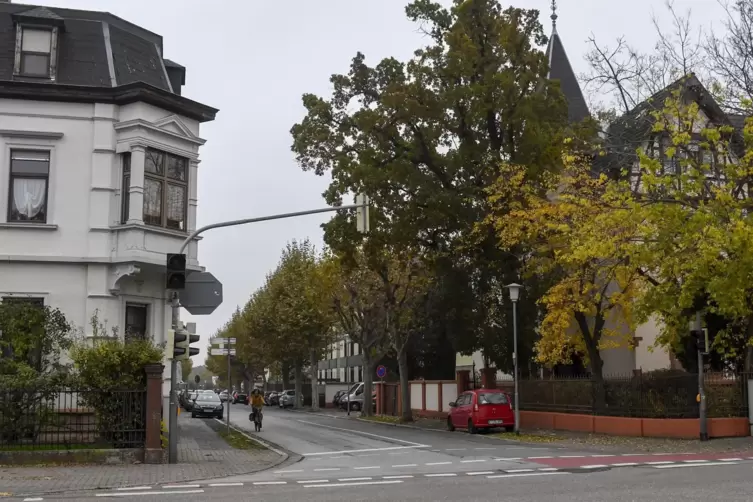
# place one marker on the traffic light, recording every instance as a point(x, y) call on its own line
point(701, 340)
point(192, 351)
point(180, 344)
point(176, 271)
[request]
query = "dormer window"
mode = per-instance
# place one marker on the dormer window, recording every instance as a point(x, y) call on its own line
point(36, 52)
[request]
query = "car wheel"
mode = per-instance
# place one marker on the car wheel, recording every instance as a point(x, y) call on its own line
point(471, 428)
point(450, 427)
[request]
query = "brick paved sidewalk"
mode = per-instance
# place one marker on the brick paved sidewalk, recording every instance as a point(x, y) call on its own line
point(202, 454)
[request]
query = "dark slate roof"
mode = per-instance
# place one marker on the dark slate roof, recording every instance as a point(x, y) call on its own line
point(83, 54)
point(560, 69)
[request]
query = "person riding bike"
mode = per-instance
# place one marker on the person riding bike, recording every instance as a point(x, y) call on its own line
point(257, 402)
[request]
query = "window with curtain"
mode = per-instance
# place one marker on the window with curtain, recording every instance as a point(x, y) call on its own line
point(125, 194)
point(165, 190)
point(135, 321)
point(29, 177)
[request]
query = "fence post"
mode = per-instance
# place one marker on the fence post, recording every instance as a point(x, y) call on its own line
point(423, 395)
point(750, 401)
point(153, 443)
point(379, 398)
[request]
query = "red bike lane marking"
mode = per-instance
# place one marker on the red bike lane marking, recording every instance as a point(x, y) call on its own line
point(564, 463)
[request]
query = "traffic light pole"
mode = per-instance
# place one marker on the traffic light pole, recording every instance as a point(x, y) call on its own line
point(172, 442)
point(175, 303)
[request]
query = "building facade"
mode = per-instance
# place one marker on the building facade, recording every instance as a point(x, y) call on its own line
point(99, 159)
point(342, 362)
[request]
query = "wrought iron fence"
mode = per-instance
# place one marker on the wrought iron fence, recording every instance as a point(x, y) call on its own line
point(646, 395)
point(65, 419)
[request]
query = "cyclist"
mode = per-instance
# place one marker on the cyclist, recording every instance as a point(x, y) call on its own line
point(257, 402)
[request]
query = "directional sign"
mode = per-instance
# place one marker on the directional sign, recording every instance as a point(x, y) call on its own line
point(223, 352)
point(219, 341)
point(203, 294)
point(197, 379)
point(381, 371)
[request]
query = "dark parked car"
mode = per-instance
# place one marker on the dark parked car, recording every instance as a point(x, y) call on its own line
point(207, 405)
point(240, 397)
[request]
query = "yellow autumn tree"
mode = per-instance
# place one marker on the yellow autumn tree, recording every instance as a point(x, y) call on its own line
point(581, 232)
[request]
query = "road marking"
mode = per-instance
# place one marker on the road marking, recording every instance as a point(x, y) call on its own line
point(485, 448)
point(456, 449)
point(573, 456)
point(271, 483)
point(364, 483)
point(327, 469)
point(402, 476)
point(674, 466)
point(525, 475)
point(36, 499)
point(363, 450)
point(346, 456)
point(659, 463)
point(359, 433)
point(179, 487)
point(536, 458)
point(288, 472)
point(131, 488)
point(509, 458)
point(518, 470)
point(695, 461)
point(142, 494)
point(594, 466)
point(597, 456)
point(480, 473)
point(405, 465)
point(472, 461)
point(314, 481)
point(439, 463)
point(730, 459)
point(625, 464)
point(355, 479)
point(548, 469)
point(392, 453)
point(368, 467)
point(444, 475)
point(225, 484)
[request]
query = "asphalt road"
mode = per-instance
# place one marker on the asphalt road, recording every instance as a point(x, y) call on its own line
point(347, 460)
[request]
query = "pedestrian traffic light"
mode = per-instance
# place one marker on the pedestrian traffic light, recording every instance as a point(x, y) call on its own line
point(176, 271)
point(180, 344)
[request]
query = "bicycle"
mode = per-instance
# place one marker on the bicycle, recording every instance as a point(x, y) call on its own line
point(256, 417)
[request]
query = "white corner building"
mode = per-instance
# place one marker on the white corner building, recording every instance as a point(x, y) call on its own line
point(99, 157)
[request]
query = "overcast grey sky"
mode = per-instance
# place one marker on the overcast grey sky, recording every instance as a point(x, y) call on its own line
point(253, 59)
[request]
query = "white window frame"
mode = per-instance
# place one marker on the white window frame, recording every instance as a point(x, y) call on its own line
point(52, 65)
point(52, 179)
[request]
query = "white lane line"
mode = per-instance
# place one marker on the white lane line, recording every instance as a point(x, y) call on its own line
point(439, 463)
point(509, 458)
point(594, 466)
point(402, 476)
point(625, 464)
point(262, 483)
point(327, 469)
point(346, 456)
point(695, 461)
point(456, 449)
point(479, 473)
point(363, 450)
point(518, 470)
point(485, 448)
point(360, 433)
point(674, 466)
point(659, 463)
point(355, 479)
point(142, 494)
point(475, 461)
point(34, 499)
point(405, 465)
point(443, 475)
point(179, 487)
point(536, 458)
point(730, 460)
point(572, 456)
point(598, 456)
point(313, 481)
point(132, 488)
point(367, 467)
point(288, 472)
point(218, 485)
point(548, 469)
point(525, 475)
point(359, 483)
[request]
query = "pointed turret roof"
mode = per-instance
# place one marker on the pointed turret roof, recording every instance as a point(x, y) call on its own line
point(560, 69)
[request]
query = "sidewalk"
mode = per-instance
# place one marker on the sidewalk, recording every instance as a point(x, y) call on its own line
point(202, 454)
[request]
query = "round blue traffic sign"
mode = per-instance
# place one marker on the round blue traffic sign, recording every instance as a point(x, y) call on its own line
point(381, 371)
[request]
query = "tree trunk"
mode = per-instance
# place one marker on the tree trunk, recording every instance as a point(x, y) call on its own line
point(596, 364)
point(298, 370)
point(285, 370)
point(402, 365)
point(367, 410)
point(314, 363)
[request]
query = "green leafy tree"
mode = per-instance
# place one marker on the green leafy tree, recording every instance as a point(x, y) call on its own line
point(425, 139)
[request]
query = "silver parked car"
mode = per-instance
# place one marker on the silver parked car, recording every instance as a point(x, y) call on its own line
point(287, 399)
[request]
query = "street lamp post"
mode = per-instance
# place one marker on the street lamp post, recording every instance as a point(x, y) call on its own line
point(514, 289)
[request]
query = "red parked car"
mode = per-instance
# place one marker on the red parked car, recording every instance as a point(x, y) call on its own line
point(481, 409)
